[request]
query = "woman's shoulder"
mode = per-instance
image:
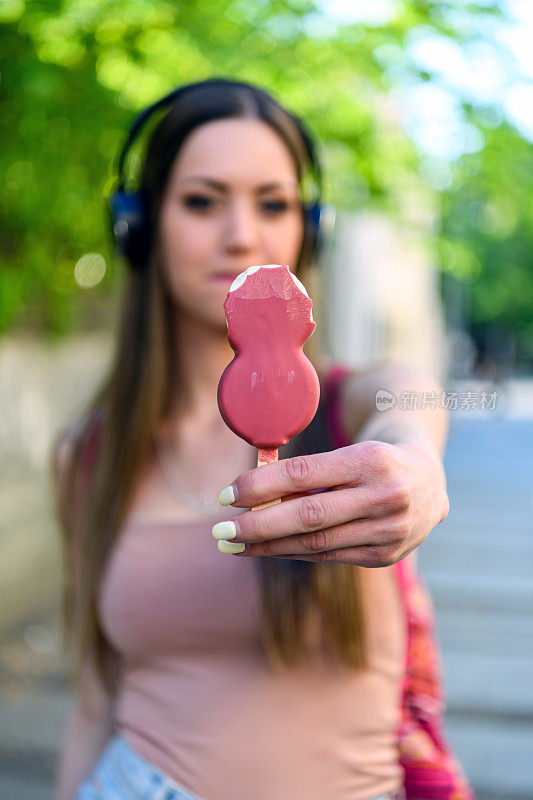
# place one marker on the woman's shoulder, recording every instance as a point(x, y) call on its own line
point(333, 369)
point(338, 383)
point(73, 444)
point(76, 433)
point(331, 372)
point(64, 445)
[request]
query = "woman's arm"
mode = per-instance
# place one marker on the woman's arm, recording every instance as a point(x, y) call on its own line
point(87, 730)
point(83, 741)
point(400, 424)
point(90, 722)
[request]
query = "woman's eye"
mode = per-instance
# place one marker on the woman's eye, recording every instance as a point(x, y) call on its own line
point(276, 206)
point(198, 201)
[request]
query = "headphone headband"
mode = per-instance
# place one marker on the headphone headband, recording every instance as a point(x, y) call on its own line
point(138, 123)
point(129, 211)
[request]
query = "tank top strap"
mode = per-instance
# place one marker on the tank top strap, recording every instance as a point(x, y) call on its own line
point(92, 442)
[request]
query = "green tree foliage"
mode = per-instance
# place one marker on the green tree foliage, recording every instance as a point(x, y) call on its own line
point(487, 234)
point(73, 73)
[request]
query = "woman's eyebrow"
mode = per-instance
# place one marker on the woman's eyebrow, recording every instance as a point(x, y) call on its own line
point(223, 187)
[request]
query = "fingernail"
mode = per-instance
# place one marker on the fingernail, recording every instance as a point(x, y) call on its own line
point(224, 530)
point(231, 547)
point(227, 496)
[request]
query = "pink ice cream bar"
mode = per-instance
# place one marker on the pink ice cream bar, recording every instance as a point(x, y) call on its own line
point(270, 390)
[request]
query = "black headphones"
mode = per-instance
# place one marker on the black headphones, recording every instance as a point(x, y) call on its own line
point(130, 211)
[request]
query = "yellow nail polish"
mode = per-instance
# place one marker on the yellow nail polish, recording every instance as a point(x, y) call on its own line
point(227, 496)
point(231, 547)
point(224, 530)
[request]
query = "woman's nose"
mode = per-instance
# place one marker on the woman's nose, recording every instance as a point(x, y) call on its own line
point(240, 227)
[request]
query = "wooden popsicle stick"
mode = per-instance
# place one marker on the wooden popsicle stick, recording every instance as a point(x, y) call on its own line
point(266, 456)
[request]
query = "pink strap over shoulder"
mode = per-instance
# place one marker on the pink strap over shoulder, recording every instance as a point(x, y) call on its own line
point(91, 445)
point(332, 384)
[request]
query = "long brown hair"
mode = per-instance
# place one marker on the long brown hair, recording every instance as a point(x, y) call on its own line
point(144, 378)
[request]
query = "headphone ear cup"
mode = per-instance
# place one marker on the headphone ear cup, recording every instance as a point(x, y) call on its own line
point(130, 224)
point(312, 215)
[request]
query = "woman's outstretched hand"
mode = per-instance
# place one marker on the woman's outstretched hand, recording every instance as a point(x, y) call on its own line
point(370, 504)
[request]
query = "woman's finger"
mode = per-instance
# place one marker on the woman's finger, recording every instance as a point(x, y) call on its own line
point(312, 512)
point(346, 465)
point(370, 533)
point(362, 556)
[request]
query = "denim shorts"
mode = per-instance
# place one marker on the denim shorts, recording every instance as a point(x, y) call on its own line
point(122, 774)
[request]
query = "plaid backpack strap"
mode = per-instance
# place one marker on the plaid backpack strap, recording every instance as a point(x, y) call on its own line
point(431, 770)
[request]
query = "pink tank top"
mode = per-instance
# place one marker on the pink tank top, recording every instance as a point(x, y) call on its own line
point(197, 699)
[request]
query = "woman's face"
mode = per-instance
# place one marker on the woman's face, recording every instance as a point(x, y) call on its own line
point(231, 202)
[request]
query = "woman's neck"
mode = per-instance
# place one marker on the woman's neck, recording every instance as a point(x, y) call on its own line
point(204, 352)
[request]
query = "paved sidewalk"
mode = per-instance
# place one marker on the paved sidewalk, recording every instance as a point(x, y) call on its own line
point(478, 564)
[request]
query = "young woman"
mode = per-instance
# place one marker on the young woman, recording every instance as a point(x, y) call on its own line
point(277, 673)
